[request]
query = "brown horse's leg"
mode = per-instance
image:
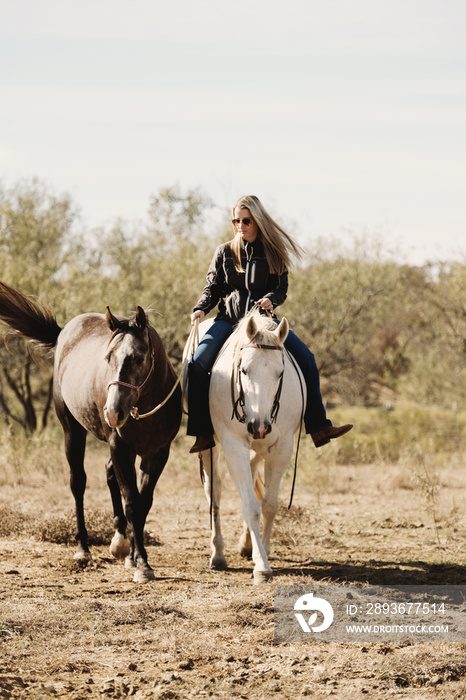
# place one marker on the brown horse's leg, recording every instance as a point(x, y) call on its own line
point(75, 446)
point(123, 459)
point(150, 470)
point(120, 545)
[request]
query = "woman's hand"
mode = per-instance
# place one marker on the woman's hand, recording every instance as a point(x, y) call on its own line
point(265, 304)
point(198, 314)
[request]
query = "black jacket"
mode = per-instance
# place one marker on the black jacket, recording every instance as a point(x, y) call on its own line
point(237, 291)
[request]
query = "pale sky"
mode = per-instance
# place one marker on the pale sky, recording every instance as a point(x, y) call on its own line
point(338, 114)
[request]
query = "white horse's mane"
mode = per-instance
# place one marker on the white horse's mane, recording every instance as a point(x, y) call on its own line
point(265, 334)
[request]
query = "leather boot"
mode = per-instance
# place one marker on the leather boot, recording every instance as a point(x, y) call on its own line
point(324, 436)
point(203, 442)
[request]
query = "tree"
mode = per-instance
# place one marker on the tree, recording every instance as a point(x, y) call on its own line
point(375, 325)
point(438, 367)
point(35, 235)
point(161, 263)
point(339, 305)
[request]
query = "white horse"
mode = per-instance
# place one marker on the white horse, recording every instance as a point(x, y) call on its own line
point(257, 394)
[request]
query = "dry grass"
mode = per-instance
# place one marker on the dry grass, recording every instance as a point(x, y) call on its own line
point(74, 632)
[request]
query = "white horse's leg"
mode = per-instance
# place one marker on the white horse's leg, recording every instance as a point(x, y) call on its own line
point(214, 487)
point(237, 457)
point(276, 464)
point(245, 543)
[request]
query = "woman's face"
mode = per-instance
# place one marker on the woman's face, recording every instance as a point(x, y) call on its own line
point(249, 230)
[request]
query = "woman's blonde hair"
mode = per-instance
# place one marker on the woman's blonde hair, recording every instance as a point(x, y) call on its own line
point(278, 245)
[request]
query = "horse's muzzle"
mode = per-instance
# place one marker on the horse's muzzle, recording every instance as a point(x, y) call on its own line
point(114, 419)
point(259, 430)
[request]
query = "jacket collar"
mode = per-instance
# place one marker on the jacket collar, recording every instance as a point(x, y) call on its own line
point(254, 248)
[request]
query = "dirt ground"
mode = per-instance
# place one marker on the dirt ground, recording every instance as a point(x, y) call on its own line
point(90, 632)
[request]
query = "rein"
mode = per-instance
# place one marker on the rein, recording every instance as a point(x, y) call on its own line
point(293, 362)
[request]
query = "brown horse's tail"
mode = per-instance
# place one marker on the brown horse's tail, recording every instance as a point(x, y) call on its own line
point(28, 316)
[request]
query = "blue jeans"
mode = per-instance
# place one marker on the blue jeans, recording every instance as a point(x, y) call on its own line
point(199, 422)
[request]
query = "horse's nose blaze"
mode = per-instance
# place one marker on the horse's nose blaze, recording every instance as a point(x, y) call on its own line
point(114, 416)
point(111, 418)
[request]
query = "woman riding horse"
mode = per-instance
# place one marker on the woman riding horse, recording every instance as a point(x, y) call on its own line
point(250, 269)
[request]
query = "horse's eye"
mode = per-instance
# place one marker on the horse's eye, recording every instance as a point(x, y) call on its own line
point(243, 370)
point(138, 360)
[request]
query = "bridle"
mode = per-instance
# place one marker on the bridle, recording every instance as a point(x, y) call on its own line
point(136, 388)
point(238, 404)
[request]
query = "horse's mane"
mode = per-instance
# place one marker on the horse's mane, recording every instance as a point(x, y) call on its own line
point(125, 327)
point(264, 335)
point(128, 325)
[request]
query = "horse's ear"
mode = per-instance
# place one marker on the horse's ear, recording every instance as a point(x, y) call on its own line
point(282, 330)
point(251, 327)
point(141, 318)
point(112, 322)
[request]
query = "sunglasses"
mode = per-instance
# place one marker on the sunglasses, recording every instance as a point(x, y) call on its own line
point(245, 221)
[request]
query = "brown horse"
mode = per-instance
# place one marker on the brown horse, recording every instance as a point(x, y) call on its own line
point(104, 366)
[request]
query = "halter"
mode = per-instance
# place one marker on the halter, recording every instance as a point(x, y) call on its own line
point(238, 404)
point(136, 388)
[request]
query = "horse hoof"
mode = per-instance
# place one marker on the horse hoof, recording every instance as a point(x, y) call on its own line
point(262, 577)
point(81, 555)
point(143, 575)
point(129, 563)
point(218, 563)
point(119, 546)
